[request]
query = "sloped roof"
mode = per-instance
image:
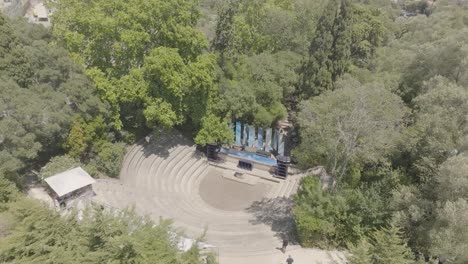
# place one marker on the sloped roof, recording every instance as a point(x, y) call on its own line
point(69, 181)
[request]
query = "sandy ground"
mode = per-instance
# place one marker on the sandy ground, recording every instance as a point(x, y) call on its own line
point(299, 255)
point(229, 195)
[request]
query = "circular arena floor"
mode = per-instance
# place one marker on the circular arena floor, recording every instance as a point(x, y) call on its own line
point(229, 195)
point(246, 223)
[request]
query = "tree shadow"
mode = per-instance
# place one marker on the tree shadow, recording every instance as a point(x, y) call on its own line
point(276, 213)
point(161, 145)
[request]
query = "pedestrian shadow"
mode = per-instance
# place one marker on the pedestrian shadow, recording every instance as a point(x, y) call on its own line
point(276, 213)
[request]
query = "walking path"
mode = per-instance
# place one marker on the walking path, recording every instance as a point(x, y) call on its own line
point(164, 179)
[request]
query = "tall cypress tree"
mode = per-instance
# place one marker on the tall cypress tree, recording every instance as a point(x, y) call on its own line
point(330, 50)
point(341, 52)
point(224, 32)
point(315, 71)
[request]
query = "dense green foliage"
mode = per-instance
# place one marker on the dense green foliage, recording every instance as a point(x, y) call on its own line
point(354, 124)
point(411, 158)
point(255, 87)
point(42, 91)
point(377, 90)
point(152, 70)
point(385, 246)
point(37, 235)
point(214, 130)
point(325, 219)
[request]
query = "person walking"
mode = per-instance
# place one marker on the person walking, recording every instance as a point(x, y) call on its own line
point(285, 244)
point(290, 260)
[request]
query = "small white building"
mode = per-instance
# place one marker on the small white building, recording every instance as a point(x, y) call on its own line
point(70, 185)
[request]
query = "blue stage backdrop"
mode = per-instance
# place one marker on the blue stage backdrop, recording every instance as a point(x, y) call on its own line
point(238, 133)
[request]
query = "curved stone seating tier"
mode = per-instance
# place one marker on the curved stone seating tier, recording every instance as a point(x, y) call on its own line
point(162, 179)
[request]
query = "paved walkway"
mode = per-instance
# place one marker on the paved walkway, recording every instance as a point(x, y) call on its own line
point(300, 256)
point(164, 179)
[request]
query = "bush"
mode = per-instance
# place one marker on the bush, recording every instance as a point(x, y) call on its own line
point(109, 158)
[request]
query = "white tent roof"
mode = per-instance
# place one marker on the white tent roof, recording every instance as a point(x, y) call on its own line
point(69, 181)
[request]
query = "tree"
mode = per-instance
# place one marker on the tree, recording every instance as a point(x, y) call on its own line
point(315, 71)
point(8, 192)
point(346, 35)
point(390, 247)
point(76, 143)
point(152, 70)
point(452, 179)
point(361, 253)
point(342, 35)
point(312, 214)
point(449, 233)
point(324, 218)
point(109, 158)
point(367, 34)
point(439, 126)
point(441, 52)
point(86, 31)
point(255, 89)
point(349, 125)
point(39, 235)
point(224, 32)
point(214, 130)
point(41, 90)
point(385, 245)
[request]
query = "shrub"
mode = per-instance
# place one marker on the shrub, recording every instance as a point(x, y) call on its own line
point(109, 158)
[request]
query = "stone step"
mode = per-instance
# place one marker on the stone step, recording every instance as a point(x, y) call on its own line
point(192, 185)
point(163, 179)
point(185, 173)
point(193, 205)
point(225, 235)
point(280, 189)
point(194, 217)
point(287, 187)
point(296, 187)
point(158, 160)
point(157, 177)
point(293, 184)
point(178, 169)
point(128, 162)
point(172, 163)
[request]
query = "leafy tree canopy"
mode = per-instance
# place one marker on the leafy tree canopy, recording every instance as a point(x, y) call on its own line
point(151, 70)
point(253, 89)
point(39, 235)
point(41, 90)
point(347, 125)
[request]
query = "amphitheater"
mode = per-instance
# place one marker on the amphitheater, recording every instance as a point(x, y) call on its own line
point(246, 219)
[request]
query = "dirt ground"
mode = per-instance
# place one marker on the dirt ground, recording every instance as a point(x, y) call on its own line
point(229, 195)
